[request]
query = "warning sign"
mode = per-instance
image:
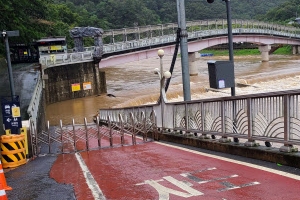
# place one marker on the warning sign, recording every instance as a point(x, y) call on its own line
point(87, 86)
point(16, 111)
point(75, 87)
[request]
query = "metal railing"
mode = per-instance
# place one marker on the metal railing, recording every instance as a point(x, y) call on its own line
point(33, 108)
point(66, 58)
point(88, 136)
point(268, 117)
point(119, 40)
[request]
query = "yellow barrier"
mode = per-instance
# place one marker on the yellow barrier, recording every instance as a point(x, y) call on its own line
point(13, 150)
point(23, 132)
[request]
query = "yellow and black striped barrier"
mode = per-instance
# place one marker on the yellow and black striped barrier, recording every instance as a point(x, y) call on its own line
point(13, 150)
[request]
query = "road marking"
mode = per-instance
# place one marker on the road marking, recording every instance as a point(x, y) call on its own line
point(164, 192)
point(91, 182)
point(274, 171)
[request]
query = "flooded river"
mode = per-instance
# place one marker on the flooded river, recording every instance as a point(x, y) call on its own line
point(135, 83)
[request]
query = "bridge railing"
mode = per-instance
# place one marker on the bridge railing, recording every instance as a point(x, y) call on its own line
point(268, 117)
point(142, 32)
point(65, 58)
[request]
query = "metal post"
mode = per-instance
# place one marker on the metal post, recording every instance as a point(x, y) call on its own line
point(11, 81)
point(230, 44)
point(161, 80)
point(230, 38)
point(184, 51)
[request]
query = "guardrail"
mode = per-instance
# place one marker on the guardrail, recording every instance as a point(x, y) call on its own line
point(268, 117)
point(33, 108)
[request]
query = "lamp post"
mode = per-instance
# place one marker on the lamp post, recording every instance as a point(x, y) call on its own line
point(162, 77)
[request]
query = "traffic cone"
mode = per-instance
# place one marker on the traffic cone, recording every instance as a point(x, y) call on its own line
point(2, 179)
point(2, 193)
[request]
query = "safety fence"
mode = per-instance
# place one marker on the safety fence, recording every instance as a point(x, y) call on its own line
point(271, 118)
point(90, 136)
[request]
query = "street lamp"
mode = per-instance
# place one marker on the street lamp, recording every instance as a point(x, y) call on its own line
point(162, 77)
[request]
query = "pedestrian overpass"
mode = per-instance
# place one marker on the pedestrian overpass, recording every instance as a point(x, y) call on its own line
point(137, 43)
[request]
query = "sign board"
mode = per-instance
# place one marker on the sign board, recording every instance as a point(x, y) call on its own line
point(10, 33)
point(56, 47)
point(87, 86)
point(11, 114)
point(75, 87)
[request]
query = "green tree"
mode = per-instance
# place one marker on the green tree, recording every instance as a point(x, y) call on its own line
point(26, 16)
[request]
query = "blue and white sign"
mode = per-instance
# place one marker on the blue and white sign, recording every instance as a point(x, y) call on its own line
point(11, 114)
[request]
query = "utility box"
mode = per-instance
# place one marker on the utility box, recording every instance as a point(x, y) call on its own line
point(221, 74)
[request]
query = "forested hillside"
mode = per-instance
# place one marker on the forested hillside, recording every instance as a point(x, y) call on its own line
point(42, 18)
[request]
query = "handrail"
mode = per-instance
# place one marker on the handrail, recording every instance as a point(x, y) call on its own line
point(34, 104)
point(268, 117)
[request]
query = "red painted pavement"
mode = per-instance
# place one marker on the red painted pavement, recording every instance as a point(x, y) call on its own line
point(133, 172)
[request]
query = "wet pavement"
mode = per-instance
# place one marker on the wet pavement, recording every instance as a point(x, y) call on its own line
point(32, 181)
point(151, 170)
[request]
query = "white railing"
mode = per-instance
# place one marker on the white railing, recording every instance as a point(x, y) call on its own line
point(34, 104)
point(267, 117)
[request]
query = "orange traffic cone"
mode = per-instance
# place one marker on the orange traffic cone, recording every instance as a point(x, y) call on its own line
point(2, 179)
point(2, 193)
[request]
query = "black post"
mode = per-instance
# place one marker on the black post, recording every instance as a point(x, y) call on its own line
point(10, 75)
point(5, 35)
point(230, 38)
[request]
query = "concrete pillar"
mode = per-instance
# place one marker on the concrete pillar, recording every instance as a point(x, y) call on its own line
point(264, 50)
point(192, 64)
point(295, 49)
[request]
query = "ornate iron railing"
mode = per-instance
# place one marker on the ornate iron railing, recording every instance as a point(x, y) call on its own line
point(268, 117)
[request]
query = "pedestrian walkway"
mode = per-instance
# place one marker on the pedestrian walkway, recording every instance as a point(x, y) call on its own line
point(161, 171)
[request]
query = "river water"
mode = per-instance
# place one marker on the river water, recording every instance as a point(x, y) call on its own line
point(135, 83)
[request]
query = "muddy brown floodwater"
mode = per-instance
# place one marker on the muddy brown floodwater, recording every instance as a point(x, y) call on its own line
point(135, 83)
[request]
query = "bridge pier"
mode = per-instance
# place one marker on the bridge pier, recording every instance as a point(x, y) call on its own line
point(296, 49)
point(264, 50)
point(192, 64)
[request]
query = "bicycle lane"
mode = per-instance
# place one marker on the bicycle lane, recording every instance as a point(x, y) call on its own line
point(159, 171)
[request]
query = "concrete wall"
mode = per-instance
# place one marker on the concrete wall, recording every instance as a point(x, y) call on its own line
point(59, 80)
